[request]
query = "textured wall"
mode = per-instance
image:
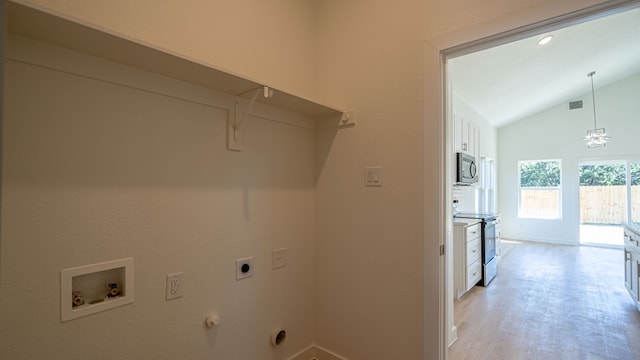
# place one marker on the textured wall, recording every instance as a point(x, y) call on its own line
point(378, 248)
point(267, 41)
point(96, 171)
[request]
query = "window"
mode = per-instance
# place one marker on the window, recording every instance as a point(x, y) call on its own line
point(603, 192)
point(634, 182)
point(539, 182)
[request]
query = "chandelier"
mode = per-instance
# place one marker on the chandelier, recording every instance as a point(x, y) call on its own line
point(596, 137)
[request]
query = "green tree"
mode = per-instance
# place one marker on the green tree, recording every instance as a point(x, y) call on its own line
point(604, 175)
point(540, 173)
point(635, 173)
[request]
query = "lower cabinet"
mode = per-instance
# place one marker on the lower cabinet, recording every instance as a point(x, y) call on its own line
point(628, 272)
point(467, 256)
point(632, 263)
point(473, 274)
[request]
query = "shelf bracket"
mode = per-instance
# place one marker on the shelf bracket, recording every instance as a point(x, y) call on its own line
point(348, 118)
point(234, 128)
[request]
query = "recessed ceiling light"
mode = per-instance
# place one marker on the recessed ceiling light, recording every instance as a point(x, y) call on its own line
point(545, 40)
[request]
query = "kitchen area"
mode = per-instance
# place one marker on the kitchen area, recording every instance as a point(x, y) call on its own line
point(475, 250)
point(474, 239)
point(476, 221)
point(479, 268)
point(474, 233)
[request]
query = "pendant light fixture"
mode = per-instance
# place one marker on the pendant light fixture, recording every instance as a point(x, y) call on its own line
point(596, 137)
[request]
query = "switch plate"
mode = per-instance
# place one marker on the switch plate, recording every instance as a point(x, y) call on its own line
point(174, 286)
point(278, 258)
point(244, 268)
point(373, 176)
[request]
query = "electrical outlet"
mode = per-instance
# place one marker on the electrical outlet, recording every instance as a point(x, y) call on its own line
point(174, 286)
point(244, 268)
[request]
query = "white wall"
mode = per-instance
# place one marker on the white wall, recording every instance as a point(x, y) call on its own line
point(96, 171)
point(375, 251)
point(556, 134)
point(370, 240)
point(271, 42)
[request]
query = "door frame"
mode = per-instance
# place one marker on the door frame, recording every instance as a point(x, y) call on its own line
point(447, 327)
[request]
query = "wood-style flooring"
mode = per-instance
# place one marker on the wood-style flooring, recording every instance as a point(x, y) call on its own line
point(550, 302)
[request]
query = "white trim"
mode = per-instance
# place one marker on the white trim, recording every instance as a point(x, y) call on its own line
point(554, 23)
point(309, 353)
point(552, 241)
point(324, 354)
point(453, 335)
point(557, 189)
point(50, 57)
point(448, 332)
point(315, 352)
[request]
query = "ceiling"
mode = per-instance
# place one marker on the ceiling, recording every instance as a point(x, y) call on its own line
point(516, 80)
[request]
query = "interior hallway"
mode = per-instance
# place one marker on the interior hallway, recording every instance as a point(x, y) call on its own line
point(550, 302)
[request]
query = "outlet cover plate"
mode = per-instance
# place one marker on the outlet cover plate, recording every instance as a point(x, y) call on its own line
point(174, 286)
point(244, 268)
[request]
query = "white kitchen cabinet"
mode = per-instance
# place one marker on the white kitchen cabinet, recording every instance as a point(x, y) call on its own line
point(628, 273)
point(466, 136)
point(498, 237)
point(467, 255)
point(632, 263)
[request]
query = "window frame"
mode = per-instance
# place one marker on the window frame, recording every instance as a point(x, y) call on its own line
point(556, 189)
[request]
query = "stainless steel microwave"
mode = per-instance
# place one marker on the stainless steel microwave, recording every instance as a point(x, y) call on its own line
point(467, 169)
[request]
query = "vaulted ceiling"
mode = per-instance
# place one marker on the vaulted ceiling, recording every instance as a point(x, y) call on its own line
point(516, 80)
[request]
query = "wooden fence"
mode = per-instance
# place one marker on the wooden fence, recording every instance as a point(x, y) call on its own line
point(536, 203)
point(607, 204)
point(598, 204)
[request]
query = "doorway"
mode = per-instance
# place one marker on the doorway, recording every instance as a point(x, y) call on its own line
point(450, 95)
point(603, 202)
point(609, 197)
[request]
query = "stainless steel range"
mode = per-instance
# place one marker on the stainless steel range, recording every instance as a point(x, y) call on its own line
point(489, 222)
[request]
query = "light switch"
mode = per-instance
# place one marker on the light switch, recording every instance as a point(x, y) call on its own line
point(278, 258)
point(373, 176)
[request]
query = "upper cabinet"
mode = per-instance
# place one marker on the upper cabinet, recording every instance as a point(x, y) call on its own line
point(466, 136)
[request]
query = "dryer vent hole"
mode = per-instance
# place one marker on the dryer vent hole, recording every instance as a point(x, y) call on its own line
point(278, 337)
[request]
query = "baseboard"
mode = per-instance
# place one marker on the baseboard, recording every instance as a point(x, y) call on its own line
point(324, 354)
point(453, 335)
point(315, 352)
point(307, 354)
point(540, 240)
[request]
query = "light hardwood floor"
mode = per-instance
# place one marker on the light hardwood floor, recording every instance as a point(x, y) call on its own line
point(550, 302)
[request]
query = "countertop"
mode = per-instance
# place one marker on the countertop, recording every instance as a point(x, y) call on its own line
point(463, 221)
point(634, 226)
